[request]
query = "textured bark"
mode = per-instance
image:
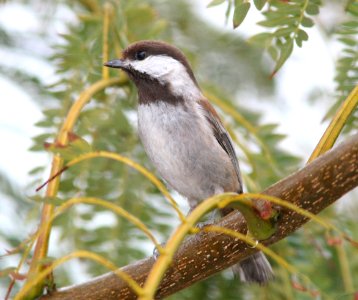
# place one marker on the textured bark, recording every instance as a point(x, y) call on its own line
point(313, 188)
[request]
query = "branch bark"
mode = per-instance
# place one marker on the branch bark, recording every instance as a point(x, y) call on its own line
point(313, 188)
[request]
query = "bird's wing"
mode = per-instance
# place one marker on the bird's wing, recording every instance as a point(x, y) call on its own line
point(221, 135)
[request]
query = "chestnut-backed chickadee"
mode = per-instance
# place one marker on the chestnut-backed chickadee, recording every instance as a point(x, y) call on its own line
point(182, 133)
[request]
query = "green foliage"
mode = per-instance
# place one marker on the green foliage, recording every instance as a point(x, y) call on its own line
point(287, 20)
point(240, 12)
point(76, 147)
point(215, 3)
point(347, 65)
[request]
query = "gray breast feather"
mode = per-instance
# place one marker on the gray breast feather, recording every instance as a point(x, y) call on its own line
point(183, 149)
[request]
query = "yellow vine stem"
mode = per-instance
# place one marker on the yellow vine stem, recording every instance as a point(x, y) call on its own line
point(345, 268)
point(163, 262)
point(293, 207)
point(77, 254)
point(107, 9)
point(239, 118)
point(41, 247)
point(27, 251)
point(25, 244)
point(91, 5)
point(300, 17)
point(236, 115)
point(161, 187)
point(28, 246)
point(96, 201)
point(335, 127)
point(115, 208)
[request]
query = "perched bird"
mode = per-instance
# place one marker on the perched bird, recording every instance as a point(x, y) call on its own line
point(182, 133)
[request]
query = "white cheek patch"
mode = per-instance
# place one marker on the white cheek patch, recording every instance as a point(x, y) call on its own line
point(157, 66)
point(168, 70)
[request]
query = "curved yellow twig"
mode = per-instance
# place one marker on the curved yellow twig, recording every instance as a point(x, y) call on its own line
point(293, 207)
point(240, 119)
point(84, 97)
point(107, 9)
point(222, 200)
point(37, 278)
point(91, 200)
point(116, 209)
point(163, 262)
point(335, 127)
point(136, 166)
point(41, 247)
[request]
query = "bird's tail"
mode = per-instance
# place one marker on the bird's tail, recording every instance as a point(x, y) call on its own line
point(254, 269)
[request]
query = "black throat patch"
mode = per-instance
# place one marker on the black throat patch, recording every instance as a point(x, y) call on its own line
point(152, 90)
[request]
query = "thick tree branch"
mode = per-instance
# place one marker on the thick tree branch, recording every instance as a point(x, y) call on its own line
point(313, 188)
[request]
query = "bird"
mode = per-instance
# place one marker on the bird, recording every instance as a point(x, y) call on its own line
point(183, 135)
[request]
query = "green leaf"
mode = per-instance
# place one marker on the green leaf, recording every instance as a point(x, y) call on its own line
point(348, 41)
point(284, 31)
point(259, 228)
point(76, 147)
point(240, 13)
point(273, 52)
point(286, 50)
point(307, 22)
point(312, 9)
point(36, 170)
point(261, 39)
point(353, 8)
point(301, 36)
point(279, 21)
point(351, 24)
point(51, 112)
point(215, 3)
point(56, 201)
point(284, 8)
point(228, 11)
point(80, 144)
point(260, 3)
point(46, 261)
point(7, 271)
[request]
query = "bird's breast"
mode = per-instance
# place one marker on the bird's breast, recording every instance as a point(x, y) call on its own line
point(168, 132)
point(182, 147)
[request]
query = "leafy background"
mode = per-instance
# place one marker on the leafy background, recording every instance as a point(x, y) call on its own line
point(225, 65)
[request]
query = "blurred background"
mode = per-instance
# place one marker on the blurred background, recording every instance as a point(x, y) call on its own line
point(51, 51)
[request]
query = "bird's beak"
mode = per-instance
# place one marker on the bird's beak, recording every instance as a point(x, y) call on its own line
point(115, 63)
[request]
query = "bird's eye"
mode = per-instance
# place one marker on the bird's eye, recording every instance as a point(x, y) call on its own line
point(140, 55)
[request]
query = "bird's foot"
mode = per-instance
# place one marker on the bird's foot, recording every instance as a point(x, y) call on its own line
point(156, 252)
point(201, 225)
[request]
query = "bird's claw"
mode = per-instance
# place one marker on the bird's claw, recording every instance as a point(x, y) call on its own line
point(201, 225)
point(156, 252)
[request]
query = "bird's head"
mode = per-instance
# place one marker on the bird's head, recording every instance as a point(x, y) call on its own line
point(157, 65)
